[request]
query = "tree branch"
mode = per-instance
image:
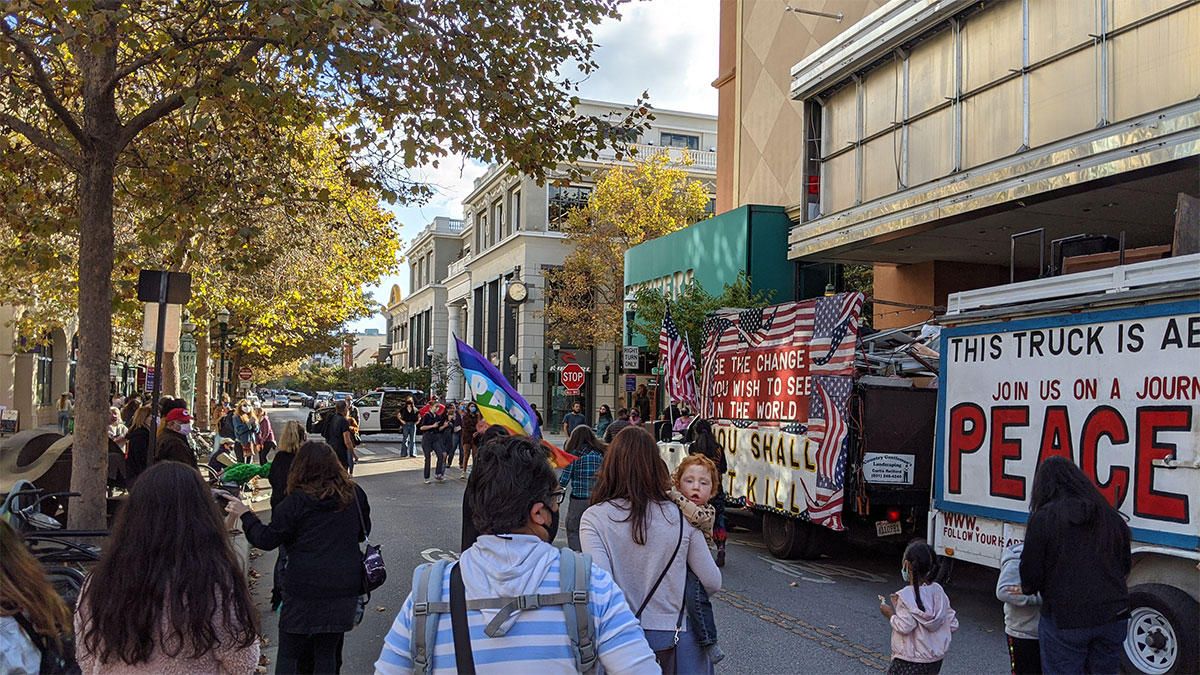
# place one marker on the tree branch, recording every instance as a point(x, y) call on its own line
point(169, 104)
point(137, 65)
point(41, 140)
point(42, 81)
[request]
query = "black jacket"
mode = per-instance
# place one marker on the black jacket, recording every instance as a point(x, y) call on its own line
point(137, 453)
point(1066, 559)
point(278, 476)
point(324, 560)
point(173, 446)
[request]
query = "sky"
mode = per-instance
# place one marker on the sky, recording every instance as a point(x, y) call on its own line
point(666, 47)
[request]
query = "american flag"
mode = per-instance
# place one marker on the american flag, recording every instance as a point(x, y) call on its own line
point(827, 428)
point(675, 357)
point(835, 318)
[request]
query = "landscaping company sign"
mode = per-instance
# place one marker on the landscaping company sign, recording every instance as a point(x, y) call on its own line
point(1114, 391)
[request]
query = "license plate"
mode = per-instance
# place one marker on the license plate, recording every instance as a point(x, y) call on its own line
point(884, 528)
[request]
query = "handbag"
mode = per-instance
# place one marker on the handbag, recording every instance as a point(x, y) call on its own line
point(374, 571)
point(666, 657)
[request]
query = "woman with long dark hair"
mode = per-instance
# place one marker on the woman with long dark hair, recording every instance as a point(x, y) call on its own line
point(1077, 556)
point(635, 532)
point(321, 521)
point(706, 444)
point(580, 475)
point(290, 440)
point(35, 624)
point(603, 419)
point(169, 595)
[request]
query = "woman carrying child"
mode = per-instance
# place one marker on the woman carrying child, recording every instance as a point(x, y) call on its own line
point(920, 615)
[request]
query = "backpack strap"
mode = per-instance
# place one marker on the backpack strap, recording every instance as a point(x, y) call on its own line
point(427, 606)
point(574, 573)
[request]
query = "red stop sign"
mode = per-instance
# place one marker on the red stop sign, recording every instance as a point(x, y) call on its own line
point(572, 378)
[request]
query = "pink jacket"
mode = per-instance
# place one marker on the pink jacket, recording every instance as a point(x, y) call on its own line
point(922, 636)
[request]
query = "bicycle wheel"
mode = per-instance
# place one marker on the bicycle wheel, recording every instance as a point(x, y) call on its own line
point(67, 583)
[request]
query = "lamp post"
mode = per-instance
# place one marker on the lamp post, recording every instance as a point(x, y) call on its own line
point(429, 360)
point(630, 306)
point(187, 363)
point(512, 361)
point(536, 362)
point(556, 346)
point(223, 323)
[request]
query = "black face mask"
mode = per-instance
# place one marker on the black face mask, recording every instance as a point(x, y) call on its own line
point(552, 529)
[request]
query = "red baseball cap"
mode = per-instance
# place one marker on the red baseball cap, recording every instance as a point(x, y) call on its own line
point(178, 415)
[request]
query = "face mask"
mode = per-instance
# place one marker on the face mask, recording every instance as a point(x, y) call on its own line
point(185, 429)
point(904, 574)
point(552, 529)
point(245, 408)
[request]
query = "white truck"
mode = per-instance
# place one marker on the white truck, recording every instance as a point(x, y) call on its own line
point(1102, 367)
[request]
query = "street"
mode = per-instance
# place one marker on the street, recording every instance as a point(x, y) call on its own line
point(773, 616)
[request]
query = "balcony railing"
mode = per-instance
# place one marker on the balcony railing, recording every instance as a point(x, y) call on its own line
point(457, 267)
point(702, 160)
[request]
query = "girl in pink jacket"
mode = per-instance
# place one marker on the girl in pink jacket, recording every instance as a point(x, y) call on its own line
point(921, 617)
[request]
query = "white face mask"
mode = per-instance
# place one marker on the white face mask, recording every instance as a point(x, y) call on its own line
point(245, 408)
point(185, 429)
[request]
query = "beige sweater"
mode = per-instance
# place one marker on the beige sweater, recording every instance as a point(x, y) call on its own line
point(700, 515)
point(605, 533)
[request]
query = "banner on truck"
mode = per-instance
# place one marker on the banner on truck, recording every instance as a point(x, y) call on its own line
point(776, 381)
point(1114, 391)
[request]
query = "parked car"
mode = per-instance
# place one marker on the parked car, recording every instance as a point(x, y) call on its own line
point(281, 401)
point(377, 410)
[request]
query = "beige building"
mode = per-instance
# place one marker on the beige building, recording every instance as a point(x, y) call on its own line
point(919, 137)
point(33, 374)
point(481, 278)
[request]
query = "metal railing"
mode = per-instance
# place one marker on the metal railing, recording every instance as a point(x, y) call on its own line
point(703, 160)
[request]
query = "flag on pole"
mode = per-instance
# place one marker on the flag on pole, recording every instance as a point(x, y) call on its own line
point(675, 358)
point(500, 403)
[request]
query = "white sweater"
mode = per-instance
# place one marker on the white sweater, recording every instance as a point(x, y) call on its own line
point(605, 533)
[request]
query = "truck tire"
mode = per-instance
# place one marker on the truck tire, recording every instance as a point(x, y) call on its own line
point(790, 538)
point(1164, 631)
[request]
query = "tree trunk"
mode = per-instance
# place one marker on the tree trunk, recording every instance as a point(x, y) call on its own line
point(203, 395)
point(170, 375)
point(89, 459)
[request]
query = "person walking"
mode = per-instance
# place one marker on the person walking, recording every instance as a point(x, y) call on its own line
point(172, 444)
point(706, 444)
point(453, 433)
point(514, 502)
point(137, 450)
point(641, 401)
point(339, 435)
point(290, 440)
point(920, 615)
point(117, 430)
point(470, 436)
point(266, 434)
point(245, 431)
point(1077, 556)
point(65, 406)
point(634, 531)
point(573, 419)
point(580, 476)
point(615, 428)
point(321, 521)
point(1021, 615)
point(169, 595)
point(603, 419)
point(408, 419)
point(35, 624)
point(433, 425)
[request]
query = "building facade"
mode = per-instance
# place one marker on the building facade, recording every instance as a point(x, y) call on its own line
point(481, 278)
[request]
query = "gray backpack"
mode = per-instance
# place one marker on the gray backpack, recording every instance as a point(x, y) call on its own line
point(574, 572)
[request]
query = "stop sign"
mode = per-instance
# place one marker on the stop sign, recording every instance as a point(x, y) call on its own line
point(572, 378)
point(244, 373)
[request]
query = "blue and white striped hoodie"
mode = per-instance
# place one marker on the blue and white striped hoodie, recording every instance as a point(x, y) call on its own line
point(536, 641)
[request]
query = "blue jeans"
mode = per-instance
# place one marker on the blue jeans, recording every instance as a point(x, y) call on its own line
point(699, 610)
point(1095, 649)
point(689, 656)
point(64, 421)
point(408, 441)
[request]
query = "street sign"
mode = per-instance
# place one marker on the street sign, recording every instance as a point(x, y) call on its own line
point(572, 378)
point(629, 357)
point(150, 378)
point(245, 373)
point(246, 385)
point(178, 287)
point(630, 383)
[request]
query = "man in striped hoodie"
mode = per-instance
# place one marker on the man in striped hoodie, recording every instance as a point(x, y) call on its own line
point(515, 499)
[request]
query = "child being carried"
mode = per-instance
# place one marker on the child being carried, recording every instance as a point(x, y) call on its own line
point(695, 484)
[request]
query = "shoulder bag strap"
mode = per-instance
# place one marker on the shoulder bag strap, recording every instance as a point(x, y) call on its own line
point(464, 658)
point(362, 522)
point(665, 569)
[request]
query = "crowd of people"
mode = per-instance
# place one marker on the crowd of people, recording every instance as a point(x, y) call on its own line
point(631, 592)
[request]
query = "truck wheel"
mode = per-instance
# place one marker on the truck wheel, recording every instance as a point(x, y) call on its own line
point(1164, 631)
point(790, 538)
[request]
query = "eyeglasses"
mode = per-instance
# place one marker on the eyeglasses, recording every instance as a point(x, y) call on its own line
point(559, 495)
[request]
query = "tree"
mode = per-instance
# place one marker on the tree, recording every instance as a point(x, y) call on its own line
point(690, 308)
point(404, 83)
point(584, 298)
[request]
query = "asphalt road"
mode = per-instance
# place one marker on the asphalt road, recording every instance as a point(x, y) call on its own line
point(773, 616)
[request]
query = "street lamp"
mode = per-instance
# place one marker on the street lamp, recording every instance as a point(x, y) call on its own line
point(429, 362)
point(223, 323)
point(630, 306)
point(536, 362)
point(512, 361)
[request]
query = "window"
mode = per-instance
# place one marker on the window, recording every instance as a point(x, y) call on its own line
point(371, 400)
point(45, 360)
point(498, 219)
point(687, 141)
point(514, 211)
point(563, 200)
